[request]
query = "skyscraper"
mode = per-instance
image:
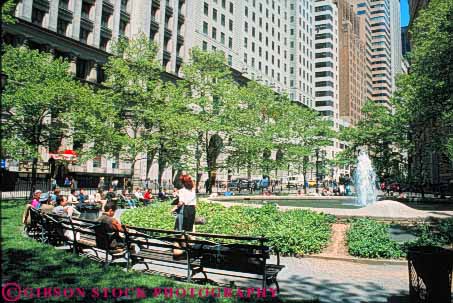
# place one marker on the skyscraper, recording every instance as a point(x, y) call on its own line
point(382, 26)
point(353, 65)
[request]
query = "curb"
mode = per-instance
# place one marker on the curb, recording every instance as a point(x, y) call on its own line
point(359, 260)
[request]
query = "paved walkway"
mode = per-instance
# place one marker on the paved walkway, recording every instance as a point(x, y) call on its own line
point(328, 281)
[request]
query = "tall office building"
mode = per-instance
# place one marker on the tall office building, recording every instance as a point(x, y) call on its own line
point(270, 41)
point(395, 35)
point(353, 66)
point(382, 27)
point(326, 59)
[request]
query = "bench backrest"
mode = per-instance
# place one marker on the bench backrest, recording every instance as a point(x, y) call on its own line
point(235, 253)
point(35, 217)
point(153, 238)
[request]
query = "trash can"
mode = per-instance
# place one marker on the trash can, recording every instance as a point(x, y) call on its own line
point(430, 274)
point(89, 212)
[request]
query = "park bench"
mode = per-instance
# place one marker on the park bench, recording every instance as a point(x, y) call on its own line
point(224, 253)
point(33, 225)
point(156, 246)
point(93, 236)
point(234, 254)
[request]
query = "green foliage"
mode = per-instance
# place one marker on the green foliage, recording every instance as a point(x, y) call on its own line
point(294, 232)
point(7, 13)
point(370, 239)
point(45, 104)
point(425, 94)
point(382, 132)
point(438, 235)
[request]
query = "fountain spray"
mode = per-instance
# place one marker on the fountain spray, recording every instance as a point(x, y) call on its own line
point(365, 180)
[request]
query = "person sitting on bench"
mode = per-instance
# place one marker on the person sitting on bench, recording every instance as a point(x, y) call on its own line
point(63, 209)
point(112, 224)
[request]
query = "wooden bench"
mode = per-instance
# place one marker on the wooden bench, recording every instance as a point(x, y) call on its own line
point(203, 251)
point(237, 254)
point(156, 246)
point(84, 234)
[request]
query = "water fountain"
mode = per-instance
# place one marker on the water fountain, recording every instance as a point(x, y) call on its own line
point(365, 180)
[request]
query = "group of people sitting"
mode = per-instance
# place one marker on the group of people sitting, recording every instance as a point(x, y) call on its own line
point(56, 203)
point(184, 205)
point(75, 201)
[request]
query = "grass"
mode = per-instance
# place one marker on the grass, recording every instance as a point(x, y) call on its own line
point(36, 265)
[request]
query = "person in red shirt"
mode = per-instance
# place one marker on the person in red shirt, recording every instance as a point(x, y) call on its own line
point(147, 197)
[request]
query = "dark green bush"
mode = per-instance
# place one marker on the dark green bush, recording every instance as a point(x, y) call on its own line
point(370, 239)
point(293, 232)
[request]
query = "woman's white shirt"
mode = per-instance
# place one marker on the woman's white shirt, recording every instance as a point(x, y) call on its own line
point(188, 197)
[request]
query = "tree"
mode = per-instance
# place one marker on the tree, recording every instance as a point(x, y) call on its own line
point(383, 134)
point(133, 85)
point(213, 96)
point(425, 94)
point(7, 13)
point(299, 132)
point(44, 103)
point(250, 138)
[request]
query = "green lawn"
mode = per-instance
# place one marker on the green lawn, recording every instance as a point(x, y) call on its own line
point(35, 265)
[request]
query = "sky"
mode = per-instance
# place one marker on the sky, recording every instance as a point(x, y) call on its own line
point(404, 13)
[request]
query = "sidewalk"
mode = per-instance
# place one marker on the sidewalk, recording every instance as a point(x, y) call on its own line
point(328, 281)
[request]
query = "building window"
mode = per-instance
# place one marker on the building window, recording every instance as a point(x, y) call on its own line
point(62, 26)
point(205, 28)
point(206, 9)
point(37, 16)
point(123, 26)
point(84, 34)
point(230, 42)
point(115, 161)
point(222, 20)
point(223, 3)
point(105, 19)
point(205, 45)
point(231, 8)
point(230, 60)
point(222, 38)
point(214, 14)
point(246, 27)
point(214, 33)
point(64, 4)
point(124, 5)
point(104, 43)
point(230, 25)
point(82, 68)
point(97, 162)
point(86, 9)
point(245, 42)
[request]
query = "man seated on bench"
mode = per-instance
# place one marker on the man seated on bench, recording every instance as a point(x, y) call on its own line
point(63, 209)
point(112, 225)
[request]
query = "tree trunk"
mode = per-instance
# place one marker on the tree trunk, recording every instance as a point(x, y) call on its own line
point(161, 166)
point(214, 148)
point(149, 160)
point(33, 176)
point(197, 159)
point(304, 169)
